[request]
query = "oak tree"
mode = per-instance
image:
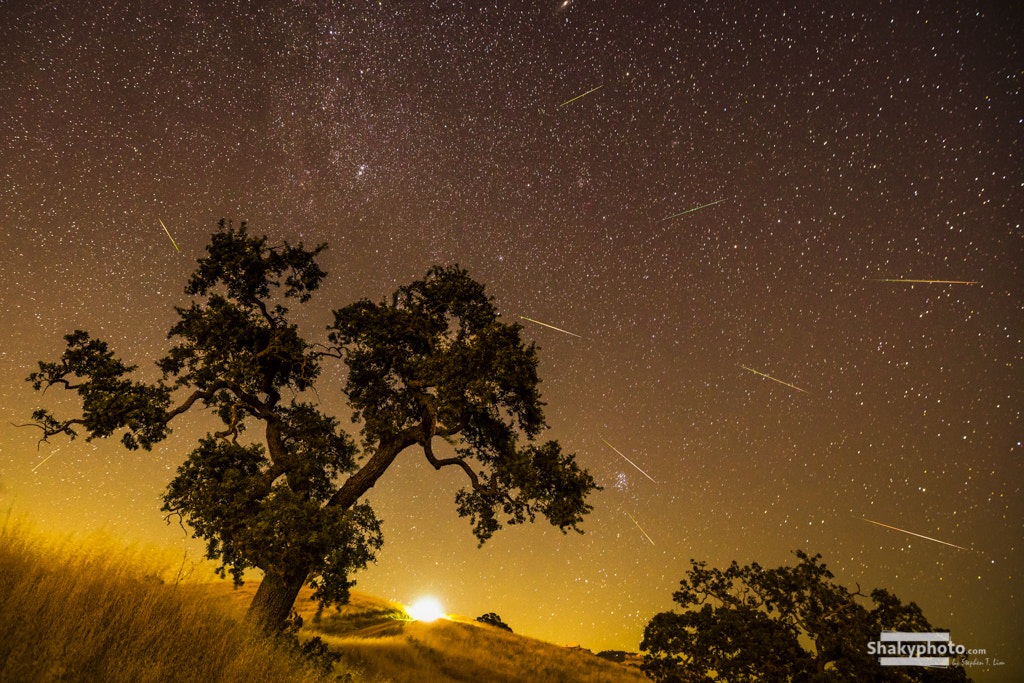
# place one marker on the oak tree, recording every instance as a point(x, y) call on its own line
point(279, 485)
point(751, 624)
point(493, 619)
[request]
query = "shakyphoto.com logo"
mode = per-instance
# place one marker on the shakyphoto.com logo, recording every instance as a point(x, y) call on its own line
point(900, 648)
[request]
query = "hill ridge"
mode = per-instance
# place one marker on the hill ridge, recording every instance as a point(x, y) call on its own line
point(375, 636)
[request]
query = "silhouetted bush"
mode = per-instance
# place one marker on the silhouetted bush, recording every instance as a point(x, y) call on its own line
point(494, 620)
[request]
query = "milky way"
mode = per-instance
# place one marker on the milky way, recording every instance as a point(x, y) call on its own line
point(843, 163)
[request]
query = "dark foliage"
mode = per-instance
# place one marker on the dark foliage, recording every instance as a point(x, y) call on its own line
point(313, 653)
point(494, 620)
point(750, 624)
point(433, 362)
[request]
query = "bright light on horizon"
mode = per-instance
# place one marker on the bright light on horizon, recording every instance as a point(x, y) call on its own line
point(426, 609)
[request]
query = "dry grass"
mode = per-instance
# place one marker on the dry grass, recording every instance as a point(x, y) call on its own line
point(375, 637)
point(98, 612)
point(450, 651)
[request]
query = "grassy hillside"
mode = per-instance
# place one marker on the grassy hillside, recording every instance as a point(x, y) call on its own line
point(96, 611)
point(99, 612)
point(445, 651)
point(375, 637)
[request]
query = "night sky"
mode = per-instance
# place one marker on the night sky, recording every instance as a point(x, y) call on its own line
point(753, 357)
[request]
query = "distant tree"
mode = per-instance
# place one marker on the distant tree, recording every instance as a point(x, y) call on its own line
point(433, 362)
point(750, 623)
point(494, 620)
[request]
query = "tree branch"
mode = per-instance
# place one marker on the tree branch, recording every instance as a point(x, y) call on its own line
point(445, 433)
point(473, 478)
point(255, 406)
point(429, 430)
point(196, 395)
point(266, 314)
point(61, 380)
point(363, 480)
point(233, 427)
point(329, 351)
point(430, 422)
point(177, 512)
point(54, 427)
point(851, 603)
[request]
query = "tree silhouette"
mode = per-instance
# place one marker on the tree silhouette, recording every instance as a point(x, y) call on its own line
point(433, 362)
point(494, 620)
point(750, 623)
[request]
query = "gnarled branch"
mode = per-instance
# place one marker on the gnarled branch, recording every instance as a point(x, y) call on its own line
point(206, 395)
point(51, 427)
point(233, 427)
point(473, 478)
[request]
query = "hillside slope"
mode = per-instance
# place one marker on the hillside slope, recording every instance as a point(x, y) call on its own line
point(375, 637)
point(97, 611)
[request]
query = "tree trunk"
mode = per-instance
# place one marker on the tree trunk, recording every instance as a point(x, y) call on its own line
point(275, 598)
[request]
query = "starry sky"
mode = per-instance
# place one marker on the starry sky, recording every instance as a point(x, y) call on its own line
point(754, 357)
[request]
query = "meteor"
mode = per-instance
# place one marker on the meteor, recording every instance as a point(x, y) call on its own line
point(551, 326)
point(775, 380)
point(638, 526)
point(934, 282)
point(169, 235)
point(44, 460)
point(627, 459)
point(692, 210)
point(927, 538)
point(583, 95)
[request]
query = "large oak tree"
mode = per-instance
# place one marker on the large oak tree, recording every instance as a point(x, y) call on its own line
point(434, 362)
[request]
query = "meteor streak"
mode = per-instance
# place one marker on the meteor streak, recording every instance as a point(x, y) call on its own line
point(692, 210)
point(927, 538)
point(775, 380)
point(44, 460)
point(551, 326)
point(638, 526)
point(934, 282)
point(169, 235)
point(583, 95)
point(627, 459)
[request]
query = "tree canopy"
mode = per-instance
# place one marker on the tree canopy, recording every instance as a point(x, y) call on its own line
point(434, 361)
point(493, 619)
point(752, 624)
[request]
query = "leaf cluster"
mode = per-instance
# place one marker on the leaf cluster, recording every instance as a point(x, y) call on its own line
point(110, 401)
point(536, 479)
point(228, 494)
point(247, 268)
point(237, 338)
point(436, 361)
point(438, 346)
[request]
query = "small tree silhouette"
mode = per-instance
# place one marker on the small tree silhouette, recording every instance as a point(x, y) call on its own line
point(494, 620)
